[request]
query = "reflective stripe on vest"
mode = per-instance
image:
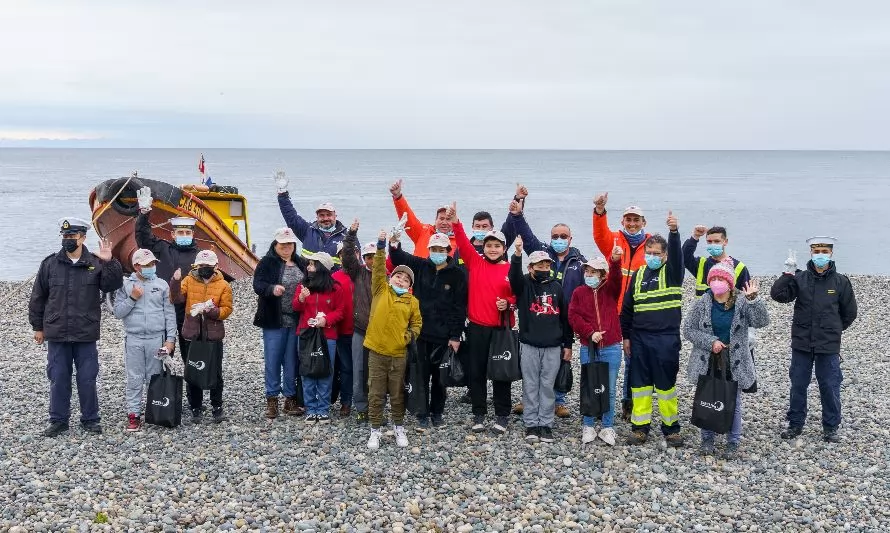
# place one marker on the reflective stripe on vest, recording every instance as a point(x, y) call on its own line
point(701, 286)
point(663, 297)
point(307, 253)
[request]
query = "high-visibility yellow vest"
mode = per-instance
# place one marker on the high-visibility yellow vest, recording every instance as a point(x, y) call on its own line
point(663, 297)
point(701, 285)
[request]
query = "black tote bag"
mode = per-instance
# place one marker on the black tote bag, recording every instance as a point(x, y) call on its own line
point(203, 365)
point(503, 354)
point(595, 386)
point(715, 396)
point(416, 388)
point(315, 360)
point(451, 370)
point(163, 403)
point(563, 381)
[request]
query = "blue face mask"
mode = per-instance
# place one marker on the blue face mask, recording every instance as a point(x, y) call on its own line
point(653, 261)
point(149, 272)
point(184, 241)
point(438, 257)
point(328, 230)
point(559, 245)
point(715, 250)
point(821, 260)
point(479, 235)
point(398, 290)
point(592, 281)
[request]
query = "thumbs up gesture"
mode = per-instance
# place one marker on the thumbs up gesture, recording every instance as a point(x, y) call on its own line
point(517, 245)
point(672, 221)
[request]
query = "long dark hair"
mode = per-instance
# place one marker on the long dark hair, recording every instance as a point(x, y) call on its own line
point(320, 280)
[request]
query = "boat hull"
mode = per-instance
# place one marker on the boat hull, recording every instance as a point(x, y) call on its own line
point(114, 208)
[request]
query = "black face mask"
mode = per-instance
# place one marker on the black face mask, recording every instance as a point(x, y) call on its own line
point(206, 272)
point(541, 276)
point(69, 245)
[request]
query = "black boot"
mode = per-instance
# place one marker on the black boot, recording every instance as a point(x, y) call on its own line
point(627, 407)
point(218, 415)
point(92, 427)
point(831, 435)
point(791, 432)
point(55, 429)
point(196, 416)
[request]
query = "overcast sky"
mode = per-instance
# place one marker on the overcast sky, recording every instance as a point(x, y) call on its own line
point(377, 74)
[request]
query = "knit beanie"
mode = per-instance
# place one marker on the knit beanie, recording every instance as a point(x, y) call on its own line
point(723, 270)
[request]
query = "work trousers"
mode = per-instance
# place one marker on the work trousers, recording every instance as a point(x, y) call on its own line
point(655, 361)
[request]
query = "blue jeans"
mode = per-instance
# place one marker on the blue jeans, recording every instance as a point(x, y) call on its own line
point(280, 355)
point(344, 365)
point(735, 432)
point(317, 391)
point(829, 378)
point(612, 356)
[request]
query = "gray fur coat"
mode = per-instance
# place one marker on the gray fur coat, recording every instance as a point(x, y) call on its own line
point(697, 329)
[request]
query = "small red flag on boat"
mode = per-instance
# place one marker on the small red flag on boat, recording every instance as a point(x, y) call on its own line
point(201, 164)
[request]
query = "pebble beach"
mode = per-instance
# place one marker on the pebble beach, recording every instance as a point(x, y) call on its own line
point(250, 474)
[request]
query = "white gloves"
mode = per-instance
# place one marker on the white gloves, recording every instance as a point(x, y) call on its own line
point(200, 307)
point(400, 227)
point(313, 322)
point(791, 262)
point(143, 196)
point(280, 181)
point(170, 364)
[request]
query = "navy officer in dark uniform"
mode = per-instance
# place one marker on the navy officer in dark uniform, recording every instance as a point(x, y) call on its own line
point(64, 311)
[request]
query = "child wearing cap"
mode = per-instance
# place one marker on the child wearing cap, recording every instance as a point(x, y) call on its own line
point(395, 322)
point(545, 339)
point(717, 326)
point(143, 303)
point(321, 302)
point(593, 315)
point(208, 301)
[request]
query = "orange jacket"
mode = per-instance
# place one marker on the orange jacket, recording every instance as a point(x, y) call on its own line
point(605, 240)
point(191, 290)
point(417, 231)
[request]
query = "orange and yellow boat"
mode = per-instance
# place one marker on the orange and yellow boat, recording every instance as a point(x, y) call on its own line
point(221, 215)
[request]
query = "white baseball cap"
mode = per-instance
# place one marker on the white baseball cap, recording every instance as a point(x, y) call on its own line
point(144, 257)
point(537, 257)
point(634, 210)
point(206, 257)
point(597, 263)
point(326, 206)
point(285, 235)
point(369, 249)
point(495, 234)
point(439, 239)
point(322, 257)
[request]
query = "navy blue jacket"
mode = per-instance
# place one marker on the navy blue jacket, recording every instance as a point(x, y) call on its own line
point(662, 320)
point(569, 272)
point(312, 237)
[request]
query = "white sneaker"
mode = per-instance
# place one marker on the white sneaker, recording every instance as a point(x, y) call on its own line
point(374, 439)
point(401, 438)
point(608, 436)
point(588, 434)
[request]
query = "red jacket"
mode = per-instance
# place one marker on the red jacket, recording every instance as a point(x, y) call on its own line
point(332, 304)
point(346, 326)
point(487, 283)
point(594, 310)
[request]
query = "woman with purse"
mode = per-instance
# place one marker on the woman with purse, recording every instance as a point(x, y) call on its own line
point(718, 325)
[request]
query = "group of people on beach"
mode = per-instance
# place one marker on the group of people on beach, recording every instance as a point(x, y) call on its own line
point(375, 304)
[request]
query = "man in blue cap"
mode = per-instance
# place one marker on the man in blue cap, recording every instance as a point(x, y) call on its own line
point(64, 311)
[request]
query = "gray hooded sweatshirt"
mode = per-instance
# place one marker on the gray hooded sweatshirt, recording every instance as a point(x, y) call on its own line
point(149, 316)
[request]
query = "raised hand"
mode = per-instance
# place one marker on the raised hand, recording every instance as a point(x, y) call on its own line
point(515, 207)
point(104, 250)
point(699, 231)
point(143, 197)
point(517, 245)
point(521, 191)
point(178, 274)
point(791, 262)
point(354, 226)
point(751, 288)
point(672, 223)
point(599, 202)
point(280, 181)
point(381, 236)
point(137, 292)
point(617, 251)
point(396, 188)
point(451, 212)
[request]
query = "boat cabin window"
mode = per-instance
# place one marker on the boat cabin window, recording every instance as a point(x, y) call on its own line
point(236, 209)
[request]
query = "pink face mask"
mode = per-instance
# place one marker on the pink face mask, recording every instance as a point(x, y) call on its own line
point(718, 286)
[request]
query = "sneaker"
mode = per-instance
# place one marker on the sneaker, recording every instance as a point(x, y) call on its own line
point(311, 419)
point(707, 448)
point(791, 432)
point(133, 422)
point(500, 425)
point(626, 410)
point(55, 429)
point(607, 435)
point(324, 419)
point(562, 411)
point(92, 427)
point(438, 421)
point(637, 437)
point(831, 435)
point(374, 439)
point(547, 434)
point(478, 423)
point(588, 434)
point(345, 411)
point(196, 415)
point(423, 424)
point(466, 398)
point(218, 415)
point(518, 409)
point(401, 438)
point(361, 417)
point(674, 440)
point(531, 435)
point(731, 451)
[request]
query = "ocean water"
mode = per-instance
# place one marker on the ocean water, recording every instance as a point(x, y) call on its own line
point(770, 202)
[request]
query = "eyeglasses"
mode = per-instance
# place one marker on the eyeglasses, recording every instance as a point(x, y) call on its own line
point(560, 236)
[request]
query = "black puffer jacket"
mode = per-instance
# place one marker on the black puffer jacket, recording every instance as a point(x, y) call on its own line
point(66, 298)
point(824, 306)
point(442, 295)
point(268, 274)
